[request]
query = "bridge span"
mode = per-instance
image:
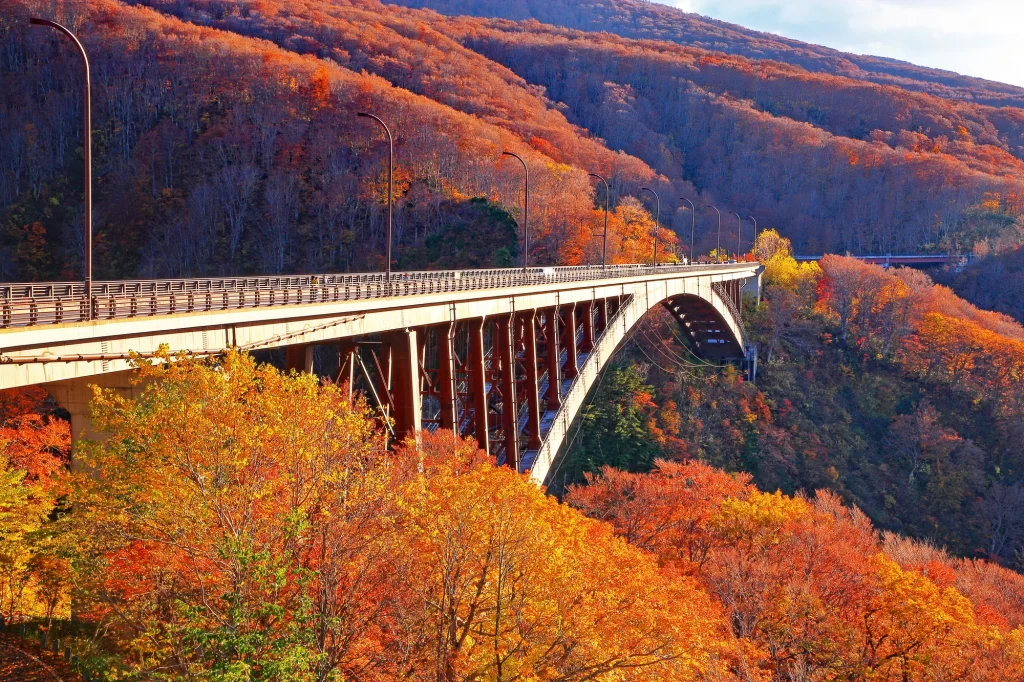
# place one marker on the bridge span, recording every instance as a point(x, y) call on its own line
point(911, 260)
point(505, 356)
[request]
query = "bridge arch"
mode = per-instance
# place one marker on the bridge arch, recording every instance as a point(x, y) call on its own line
point(710, 319)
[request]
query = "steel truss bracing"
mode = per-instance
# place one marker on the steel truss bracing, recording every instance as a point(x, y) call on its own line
point(499, 380)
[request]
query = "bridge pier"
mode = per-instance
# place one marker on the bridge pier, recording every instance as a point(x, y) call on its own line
point(478, 382)
point(587, 313)
point(405, 382)
point(554, 357)
point(504, 349)
point(532, 383)
point(571, 355)
point(446, 376)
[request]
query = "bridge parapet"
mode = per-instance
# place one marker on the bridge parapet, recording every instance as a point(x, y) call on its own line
point(31, 304)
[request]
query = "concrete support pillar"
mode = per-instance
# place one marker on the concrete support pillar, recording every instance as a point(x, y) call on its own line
point(446, 376)
point(551, 324)
point(478, 382)
point(405, 383)
point(75, 396)
point(569, 341)
point(504, 349)
point(529, 320)
point(299, 356)
point(587, 313)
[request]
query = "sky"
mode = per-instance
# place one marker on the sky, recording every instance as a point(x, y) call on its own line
point(983, 38)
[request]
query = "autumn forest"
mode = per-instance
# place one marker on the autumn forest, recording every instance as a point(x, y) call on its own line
point(855, 513)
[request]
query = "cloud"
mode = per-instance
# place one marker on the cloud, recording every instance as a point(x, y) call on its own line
point(978, 38)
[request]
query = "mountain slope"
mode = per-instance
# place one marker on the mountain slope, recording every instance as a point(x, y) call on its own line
point(200, 176)
point(830, 160)
point(219, 152)
point(651, 20)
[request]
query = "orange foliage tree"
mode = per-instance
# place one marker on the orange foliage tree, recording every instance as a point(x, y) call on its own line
point(243, 522)
point(805, 584)
point(34, 449)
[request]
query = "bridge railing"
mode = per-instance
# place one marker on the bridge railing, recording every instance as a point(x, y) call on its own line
point(29, 304)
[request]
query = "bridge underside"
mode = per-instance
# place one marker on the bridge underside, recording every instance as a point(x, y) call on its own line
point(504, 380)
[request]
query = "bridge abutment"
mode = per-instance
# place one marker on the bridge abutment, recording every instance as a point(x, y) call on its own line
point(75, 396)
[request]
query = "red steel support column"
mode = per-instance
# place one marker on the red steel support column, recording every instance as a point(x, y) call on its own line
point(509, 405)
point(478, 382)
point(299, 357)
point(446, 375)
point(554, 395)
point(532, 390)
point(587, 311)
point(571, 359)
point(602, 315)
point(405, 383)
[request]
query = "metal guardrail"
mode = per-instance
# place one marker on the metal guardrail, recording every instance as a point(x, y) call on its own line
point(30, 304)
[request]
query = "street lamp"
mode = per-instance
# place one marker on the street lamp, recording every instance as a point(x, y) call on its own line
point(87, 153)
point(604, 248)
point(739, 232)
point(526, 211)
point(718, 251)
point(693, 225)
point(657, 220)
point(755, 235)
point(391, 172)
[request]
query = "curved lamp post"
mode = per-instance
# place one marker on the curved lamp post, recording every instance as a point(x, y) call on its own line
point(718, 251)
point(391, 171)
point(693, 224)
point(755, 235)
point(657, 220)
point(526, 211)
point(87, 153)
point(604, 248)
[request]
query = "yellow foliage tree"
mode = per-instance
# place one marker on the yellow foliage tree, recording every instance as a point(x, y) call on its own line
point(781, 268)
point(517, 586)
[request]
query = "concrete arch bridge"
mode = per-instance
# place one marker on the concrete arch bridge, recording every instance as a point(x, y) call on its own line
point(505, 356)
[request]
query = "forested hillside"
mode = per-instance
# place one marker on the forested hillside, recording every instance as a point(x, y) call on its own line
point(658, 21)
point(220, 153)
point(265, 534)
point(882, 387)
point(247, 156)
